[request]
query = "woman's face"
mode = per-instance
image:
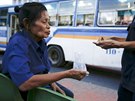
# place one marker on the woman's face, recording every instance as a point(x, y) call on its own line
point(41, 28)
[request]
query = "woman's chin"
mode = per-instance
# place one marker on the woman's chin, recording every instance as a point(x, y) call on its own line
point(45, 36)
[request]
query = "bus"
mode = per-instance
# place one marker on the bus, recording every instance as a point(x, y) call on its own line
point(75, 25)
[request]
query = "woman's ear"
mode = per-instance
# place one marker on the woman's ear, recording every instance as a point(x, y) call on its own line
point(26, 23)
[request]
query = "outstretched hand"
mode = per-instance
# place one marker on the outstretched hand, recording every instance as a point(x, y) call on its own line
point(107, 43)
point(77, 74)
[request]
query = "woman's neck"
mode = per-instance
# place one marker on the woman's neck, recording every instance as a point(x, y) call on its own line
point(37, 39)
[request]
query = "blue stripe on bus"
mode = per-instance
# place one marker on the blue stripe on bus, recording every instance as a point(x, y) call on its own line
point(47, 39)
point(3, 33)
point(90, 32)
point(3, 46)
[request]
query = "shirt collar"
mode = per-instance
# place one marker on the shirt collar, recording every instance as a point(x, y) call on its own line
point(32, 41)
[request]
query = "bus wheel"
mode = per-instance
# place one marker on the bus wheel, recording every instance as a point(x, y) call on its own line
point(56, 56)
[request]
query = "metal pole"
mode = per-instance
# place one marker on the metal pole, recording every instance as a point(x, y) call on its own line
point(75, 13)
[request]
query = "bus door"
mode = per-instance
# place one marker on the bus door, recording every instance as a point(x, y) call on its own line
point(13, 25)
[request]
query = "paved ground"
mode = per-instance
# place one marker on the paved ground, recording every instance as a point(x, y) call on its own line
point(89, 92)
point(98, 86)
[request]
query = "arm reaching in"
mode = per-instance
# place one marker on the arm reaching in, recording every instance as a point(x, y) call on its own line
point(44, 79)
point(115, 42)
point(106, 44)
point(117, 39)
point(120, 39)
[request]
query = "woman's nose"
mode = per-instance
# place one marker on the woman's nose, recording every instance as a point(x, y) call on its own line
point(48, 26)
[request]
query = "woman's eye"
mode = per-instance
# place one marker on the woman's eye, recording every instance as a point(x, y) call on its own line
point(43, 21)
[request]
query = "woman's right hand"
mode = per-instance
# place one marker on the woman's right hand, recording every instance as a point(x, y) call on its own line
point(76, 74)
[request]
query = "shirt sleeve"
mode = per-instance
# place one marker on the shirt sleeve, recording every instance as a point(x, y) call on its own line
point(18, 63)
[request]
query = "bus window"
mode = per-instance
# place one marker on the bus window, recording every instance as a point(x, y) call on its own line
point(3, 17)
point(52, 20)
point(107, 18)
point(65, 12)
point(19, 1)
point(125, 17)
point(65, 20)
point(80, 20)
point(85, 12)
point(115, 12)
point(2, 21)
point(52, 10)
point(3, 12)
point(89, 19)
point(14, 24)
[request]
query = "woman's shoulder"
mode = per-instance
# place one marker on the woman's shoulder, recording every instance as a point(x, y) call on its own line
point(19, 38)
point(18, 41)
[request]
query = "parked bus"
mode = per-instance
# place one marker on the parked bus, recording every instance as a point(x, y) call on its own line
point(75, 25)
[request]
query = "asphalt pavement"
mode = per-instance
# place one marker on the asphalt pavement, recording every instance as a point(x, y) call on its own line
point(100, 85)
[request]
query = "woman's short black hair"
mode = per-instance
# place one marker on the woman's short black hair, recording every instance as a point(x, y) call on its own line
point(31, 11)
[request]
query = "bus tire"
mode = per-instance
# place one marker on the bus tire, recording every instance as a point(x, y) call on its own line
point(56, 56)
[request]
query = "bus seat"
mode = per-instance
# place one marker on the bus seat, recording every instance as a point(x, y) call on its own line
point(0, 68)
point(43, 94)
point(8, 91)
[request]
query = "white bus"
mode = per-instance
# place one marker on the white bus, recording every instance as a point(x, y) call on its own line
point(75, 25)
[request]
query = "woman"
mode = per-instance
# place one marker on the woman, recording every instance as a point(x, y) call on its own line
point(26, 59)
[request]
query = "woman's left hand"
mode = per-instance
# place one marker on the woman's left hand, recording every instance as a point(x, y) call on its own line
point(55, 87)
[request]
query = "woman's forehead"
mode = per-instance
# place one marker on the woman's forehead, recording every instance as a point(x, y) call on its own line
point(45, 15)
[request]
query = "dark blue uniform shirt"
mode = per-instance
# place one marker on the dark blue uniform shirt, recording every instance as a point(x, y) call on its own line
point(24, 57)
point(128, 62)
